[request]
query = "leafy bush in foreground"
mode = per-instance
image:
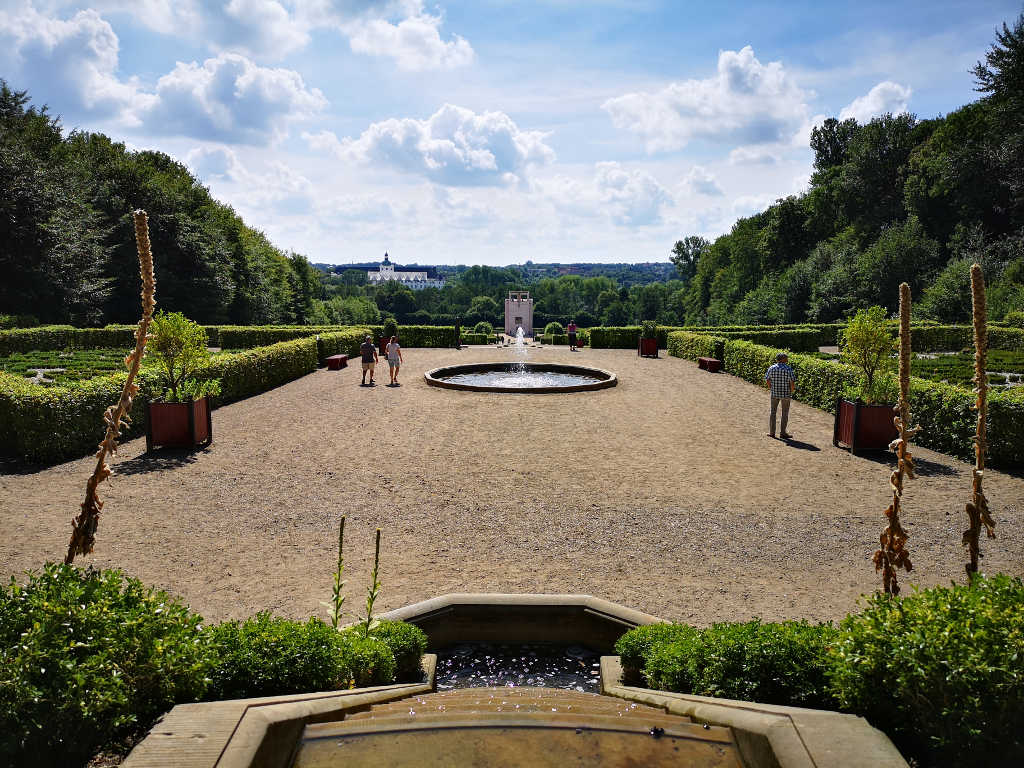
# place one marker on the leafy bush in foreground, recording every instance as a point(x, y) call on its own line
point(408, 643)
point(268, 656)
point(941, 671)
point(88, 657)
point(635, 646)
point(773, 663)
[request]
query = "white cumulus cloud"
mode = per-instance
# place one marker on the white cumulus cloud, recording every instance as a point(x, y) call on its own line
point(454, 146)
point(885, 97)
point(752, 156)
point(70, 63)
point(744, 101)
point(414, 43)
point(629, 197)
point(700, 182)
point(229, 98)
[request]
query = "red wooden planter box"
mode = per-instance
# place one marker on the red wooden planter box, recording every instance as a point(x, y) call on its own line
point(647, 347)
point(179, 425)
point(709, 364)
point(863, 427)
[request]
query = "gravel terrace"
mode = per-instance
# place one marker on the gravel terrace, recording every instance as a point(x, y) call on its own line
point(663, 494)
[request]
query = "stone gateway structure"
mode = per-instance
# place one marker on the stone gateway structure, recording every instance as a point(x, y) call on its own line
point(519, 313)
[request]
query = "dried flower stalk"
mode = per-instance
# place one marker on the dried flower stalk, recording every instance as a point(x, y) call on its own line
point(892, 554)
point(83, 528)
point(977, 507)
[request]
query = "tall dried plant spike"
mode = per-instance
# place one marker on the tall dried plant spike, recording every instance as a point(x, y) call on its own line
point(977, 507)
point(83, 527)
point(892, 553)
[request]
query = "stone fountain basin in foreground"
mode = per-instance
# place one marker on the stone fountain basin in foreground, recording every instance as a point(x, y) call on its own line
point(602, 379)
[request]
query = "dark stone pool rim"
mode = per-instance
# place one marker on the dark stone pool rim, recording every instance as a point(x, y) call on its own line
point(604, 379)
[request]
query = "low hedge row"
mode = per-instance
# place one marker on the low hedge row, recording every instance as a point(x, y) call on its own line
point(808, 338)
point(340, 343)
point(467, 338)
point(88, 658)
point(690, 346)
point(50, 424)
point(939, 670)
point(943, 411)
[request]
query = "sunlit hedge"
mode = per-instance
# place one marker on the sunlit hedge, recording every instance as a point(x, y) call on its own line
point(50, 424)
point(943, 411)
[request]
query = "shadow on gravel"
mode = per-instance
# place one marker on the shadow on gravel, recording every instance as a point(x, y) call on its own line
point(801, 445)
point(9, 466)
point(922, 467)
point(159, 460)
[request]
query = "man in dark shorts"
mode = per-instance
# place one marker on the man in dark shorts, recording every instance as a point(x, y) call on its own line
point(369, 353)
point(571, 330)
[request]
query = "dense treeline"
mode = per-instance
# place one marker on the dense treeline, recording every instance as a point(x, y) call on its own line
point(67, 245)
point(478, 294)
point(898, 199)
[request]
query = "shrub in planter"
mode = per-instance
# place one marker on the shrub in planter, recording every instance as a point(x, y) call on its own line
point(89, 657)
point(407, 642)
point(864, 415)
point(940, 671)
point(182, 416)
point(648, 343)
point(268, 656)
point(553, 329)
point(772, 663)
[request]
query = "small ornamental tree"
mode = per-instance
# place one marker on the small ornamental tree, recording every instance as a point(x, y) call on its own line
point(867, 345)
point(649, 329)
point(179, 347)
point(553, 329)
point(390, 328)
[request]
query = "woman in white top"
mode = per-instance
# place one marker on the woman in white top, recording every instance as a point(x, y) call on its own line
point(394, 354)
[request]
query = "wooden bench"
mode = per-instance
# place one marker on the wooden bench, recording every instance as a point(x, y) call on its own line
point(709, 364)
point(336, 362)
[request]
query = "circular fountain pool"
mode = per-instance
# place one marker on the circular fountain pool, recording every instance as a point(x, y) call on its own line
point(520, 377)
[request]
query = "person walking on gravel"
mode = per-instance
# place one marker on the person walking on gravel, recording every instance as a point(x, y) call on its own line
point(781, 380)
point(572, 335)
point(369, 353)
point(394, 353)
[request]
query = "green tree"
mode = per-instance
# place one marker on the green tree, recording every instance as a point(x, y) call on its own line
point(686, 255)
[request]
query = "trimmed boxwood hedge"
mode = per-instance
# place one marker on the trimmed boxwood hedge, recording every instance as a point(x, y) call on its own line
point(88, 659)
point(473, 338)
point(50, 424)
point(943, 411)
point(940, 670)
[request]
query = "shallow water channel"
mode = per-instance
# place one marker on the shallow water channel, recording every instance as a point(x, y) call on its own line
point(479, 665)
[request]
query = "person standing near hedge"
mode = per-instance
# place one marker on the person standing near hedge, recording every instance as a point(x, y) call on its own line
point(394, 354)
point(571, 330)
point(781, 380)
point(369, 353)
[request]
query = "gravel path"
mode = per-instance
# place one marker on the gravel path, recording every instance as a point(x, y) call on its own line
point(663, 494)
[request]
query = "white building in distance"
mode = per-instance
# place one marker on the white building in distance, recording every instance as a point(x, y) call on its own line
point(417, 281)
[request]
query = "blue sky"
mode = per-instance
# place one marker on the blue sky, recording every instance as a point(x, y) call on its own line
point(491, 131)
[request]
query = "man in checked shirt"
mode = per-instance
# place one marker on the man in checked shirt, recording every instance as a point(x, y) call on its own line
point(781, 379)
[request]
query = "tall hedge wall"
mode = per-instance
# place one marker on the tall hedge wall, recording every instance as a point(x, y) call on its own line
point(50, 424)
point(942, 410)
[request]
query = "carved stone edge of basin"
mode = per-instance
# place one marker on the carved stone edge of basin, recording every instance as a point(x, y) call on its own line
point(605, 378)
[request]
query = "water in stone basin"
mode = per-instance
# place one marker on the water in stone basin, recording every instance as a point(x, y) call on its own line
point(479, 665)
point(520, 379)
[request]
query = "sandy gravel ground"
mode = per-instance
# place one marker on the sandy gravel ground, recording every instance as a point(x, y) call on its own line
point(663, 494)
